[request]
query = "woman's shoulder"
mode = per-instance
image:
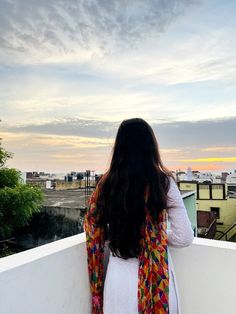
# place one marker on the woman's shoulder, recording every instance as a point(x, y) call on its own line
point(172, 182)
point(173, 194)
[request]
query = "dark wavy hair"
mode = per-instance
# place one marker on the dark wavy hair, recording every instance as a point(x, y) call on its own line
point(135, 164)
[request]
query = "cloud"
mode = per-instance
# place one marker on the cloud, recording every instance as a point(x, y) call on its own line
point(174, 135)
point(210, 159)
point(207, 55)
point(56, 152)
point(72, 143)
point(31, 30)
point(197, 134)
point(220, 149)
point(59, 141)
point(69, 127)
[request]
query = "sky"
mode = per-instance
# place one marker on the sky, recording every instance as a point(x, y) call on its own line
point(72, 71)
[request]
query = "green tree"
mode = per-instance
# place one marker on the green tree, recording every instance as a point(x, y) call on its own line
point(18, 201)
point(4, 155)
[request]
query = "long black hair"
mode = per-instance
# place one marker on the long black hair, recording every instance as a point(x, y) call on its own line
point(135, 164)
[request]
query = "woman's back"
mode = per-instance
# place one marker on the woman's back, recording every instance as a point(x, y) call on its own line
point(121, 284)
point(129, 210)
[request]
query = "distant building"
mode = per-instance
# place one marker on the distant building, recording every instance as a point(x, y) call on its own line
point(217, 179)
point(231, 183)
point(189, 175)
point(231, 178)
point(180, 175)
point(224, 175)
point(33, 178)
point(23, 177)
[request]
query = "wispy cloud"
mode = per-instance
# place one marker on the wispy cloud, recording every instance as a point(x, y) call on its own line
point(80, 143)
point(183, 134)
point(71, 71)
point(69, 127)
point(56, 152)
point(211, 159)
point(220, 149)
point(87, 142)
point(32, 30)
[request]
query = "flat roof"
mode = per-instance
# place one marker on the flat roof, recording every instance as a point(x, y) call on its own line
point(64, 198)
point(76, 198)
point(186, 193)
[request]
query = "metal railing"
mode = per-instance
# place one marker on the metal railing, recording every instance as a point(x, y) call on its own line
point(228, 233)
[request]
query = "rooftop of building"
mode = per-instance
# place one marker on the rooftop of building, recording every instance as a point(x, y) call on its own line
point(65, 198)
point(186, 193)
point(76, 198)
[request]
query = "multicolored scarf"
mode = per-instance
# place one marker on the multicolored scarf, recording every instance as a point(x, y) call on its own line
point(153, 276)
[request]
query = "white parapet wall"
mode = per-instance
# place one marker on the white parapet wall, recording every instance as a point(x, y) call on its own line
point(206, 277)
point(50, 279)
point(53, 278)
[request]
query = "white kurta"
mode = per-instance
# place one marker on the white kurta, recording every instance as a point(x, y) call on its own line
point(121, 282)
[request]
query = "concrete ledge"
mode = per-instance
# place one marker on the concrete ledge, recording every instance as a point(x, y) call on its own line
point(53, 278)
point(50, 279)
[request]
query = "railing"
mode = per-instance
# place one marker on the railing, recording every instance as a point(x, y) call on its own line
point(52, 279)
point(228, 233)
point(206, 222)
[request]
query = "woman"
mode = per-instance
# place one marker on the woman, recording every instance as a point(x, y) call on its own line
point(129, 211)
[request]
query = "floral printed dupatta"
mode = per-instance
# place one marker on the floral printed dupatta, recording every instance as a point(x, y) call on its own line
point(153, 276)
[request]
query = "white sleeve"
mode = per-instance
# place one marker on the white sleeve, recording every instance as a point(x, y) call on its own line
point(180, 233)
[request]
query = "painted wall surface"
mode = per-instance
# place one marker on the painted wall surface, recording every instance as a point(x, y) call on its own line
point(190, 204)
point(227, 210)
point(188, 186)
point(53, 278)
point(72, 185)
point(227, 206)
point(70, 213)
point(67, 185)
point(202, 287)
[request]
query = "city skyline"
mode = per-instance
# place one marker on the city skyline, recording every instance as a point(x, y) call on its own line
point(71, 72)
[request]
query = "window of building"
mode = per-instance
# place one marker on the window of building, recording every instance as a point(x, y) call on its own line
point(217, 187)
point(216, 210)
point(204, 187)
point(232, 191)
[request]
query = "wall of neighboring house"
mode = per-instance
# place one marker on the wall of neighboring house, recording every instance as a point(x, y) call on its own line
point(190, 204)
point(187, 186)
point(227, 211)
point(215, 199)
